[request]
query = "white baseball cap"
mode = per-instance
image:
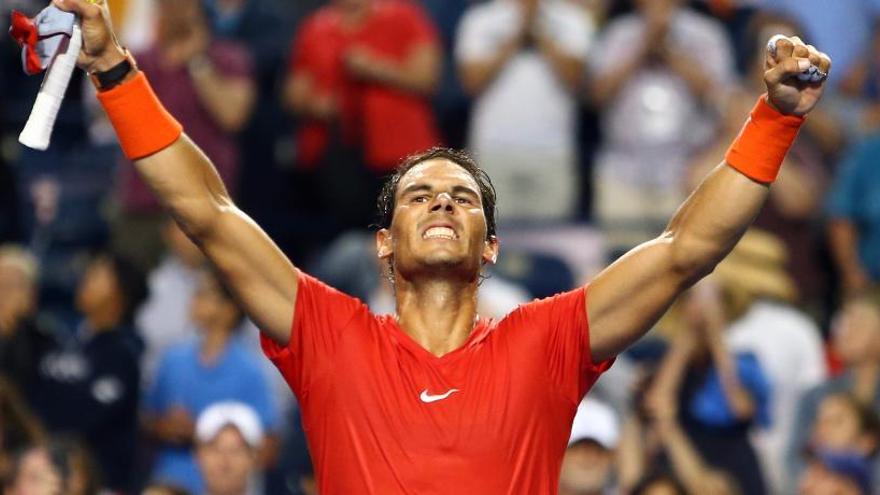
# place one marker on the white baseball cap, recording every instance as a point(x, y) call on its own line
point(236, 414)
point(595, 421)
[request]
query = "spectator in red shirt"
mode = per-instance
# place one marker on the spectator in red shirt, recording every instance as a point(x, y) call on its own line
point(361, 76)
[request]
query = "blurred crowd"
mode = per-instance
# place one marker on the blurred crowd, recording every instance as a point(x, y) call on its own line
point(127, 367)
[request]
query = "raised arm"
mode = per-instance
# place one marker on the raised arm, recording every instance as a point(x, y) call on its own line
point(186, 182)
point(628, 297)
point(262, 278)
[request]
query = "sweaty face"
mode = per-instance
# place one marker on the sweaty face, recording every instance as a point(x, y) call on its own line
point(227, 462)
point(439, 226)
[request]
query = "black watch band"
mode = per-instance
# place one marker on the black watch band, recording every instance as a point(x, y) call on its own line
point(114, 76)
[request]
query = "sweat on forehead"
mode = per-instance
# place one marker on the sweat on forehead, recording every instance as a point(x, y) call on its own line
point(451, 159)
point(429, 171)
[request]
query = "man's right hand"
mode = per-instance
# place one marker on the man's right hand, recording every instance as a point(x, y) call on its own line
point(101, 50)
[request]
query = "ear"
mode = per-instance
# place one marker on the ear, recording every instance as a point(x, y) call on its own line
point(384, 244)
point(490, 250)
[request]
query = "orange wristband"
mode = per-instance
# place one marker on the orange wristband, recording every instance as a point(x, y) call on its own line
point(762, 143)
point(141, 122)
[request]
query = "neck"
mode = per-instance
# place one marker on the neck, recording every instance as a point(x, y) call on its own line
point(213, 342)
point(438, 314)
point(866, 377)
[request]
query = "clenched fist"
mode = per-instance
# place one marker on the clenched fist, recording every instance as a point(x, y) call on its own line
point(101, 50)
point(787, 58)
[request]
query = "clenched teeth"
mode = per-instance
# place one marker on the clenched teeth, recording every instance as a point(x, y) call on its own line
point(439, 233)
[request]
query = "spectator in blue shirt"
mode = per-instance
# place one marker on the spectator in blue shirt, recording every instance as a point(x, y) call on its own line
point(721, 395)
point(854, 217)
point(217, 366)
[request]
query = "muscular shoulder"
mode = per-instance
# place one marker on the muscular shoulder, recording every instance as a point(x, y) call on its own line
point(564, 307)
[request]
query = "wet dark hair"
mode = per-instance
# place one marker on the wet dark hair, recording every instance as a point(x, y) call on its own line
point(387, 200)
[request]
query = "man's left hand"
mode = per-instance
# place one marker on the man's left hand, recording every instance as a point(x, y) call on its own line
point(788, 58)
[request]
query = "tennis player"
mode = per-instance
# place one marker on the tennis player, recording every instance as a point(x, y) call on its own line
point(435, 399)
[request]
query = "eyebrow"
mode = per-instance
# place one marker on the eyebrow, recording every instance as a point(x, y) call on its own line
point(422, 187)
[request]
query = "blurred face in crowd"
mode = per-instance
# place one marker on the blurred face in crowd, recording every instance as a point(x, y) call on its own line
point(17, 293)
point(586, 468)
point(819, 480)
point(99, 289)
point(180, 245)
point(227, 462)
point(439, 226)
point(211, 308)
point(839, 428)
point(856, 337)
point(176, 18)
point(837, 424)
point(36, 476)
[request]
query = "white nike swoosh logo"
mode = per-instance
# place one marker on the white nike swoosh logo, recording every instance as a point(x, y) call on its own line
point(428, 398)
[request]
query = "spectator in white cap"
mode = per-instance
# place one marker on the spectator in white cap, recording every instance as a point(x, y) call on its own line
point(589, 460)
point(228, 440)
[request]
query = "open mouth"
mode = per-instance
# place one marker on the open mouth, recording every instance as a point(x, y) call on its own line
point(441, 232)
